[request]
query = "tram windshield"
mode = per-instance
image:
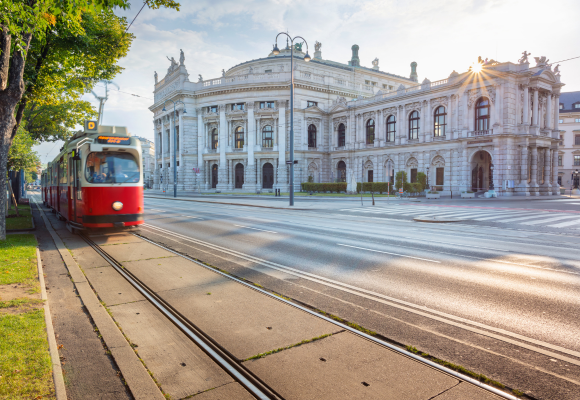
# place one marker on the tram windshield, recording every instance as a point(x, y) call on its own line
point(111, 167)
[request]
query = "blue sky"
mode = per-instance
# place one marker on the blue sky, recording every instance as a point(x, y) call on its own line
point(440, 35)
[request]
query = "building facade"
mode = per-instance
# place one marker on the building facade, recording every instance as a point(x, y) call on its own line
point(496, 124)
point(148, 149)
point(569, 149)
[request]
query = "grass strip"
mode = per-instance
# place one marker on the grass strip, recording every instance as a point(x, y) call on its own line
point(457, 368)
point(18, 260)
point(351, 324)
point(19, 302)
point(25, 366)
point(262, 355)
point(24, 221)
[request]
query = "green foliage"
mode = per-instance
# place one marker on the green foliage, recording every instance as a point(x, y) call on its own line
point(416, 187)
point(21, 155)
point(310, 179)
point(400, 180)
point(23, 221)
point(335, 187)
point(372, 187)
point(422, 179)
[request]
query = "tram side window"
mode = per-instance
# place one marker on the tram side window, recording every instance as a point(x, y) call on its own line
point(63, 171)
point(111, 167)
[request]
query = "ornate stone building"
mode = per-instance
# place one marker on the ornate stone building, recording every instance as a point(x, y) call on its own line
point(496, 119)
point(569, 151)
point(148, 151)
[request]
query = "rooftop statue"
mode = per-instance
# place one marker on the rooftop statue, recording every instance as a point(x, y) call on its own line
point(376, 62)
point(200, 78)
point(223, 72)
point(557, 69)
point(173, 65)
point(181, 57)
point(317, 46)
point(524, 58)
point(156, 77)
point(541, 61)
point(298, 46)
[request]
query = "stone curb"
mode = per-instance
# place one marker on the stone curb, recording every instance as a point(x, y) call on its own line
point(229, 204)
point(57, 375)
point(137, 378)
point(436, 220)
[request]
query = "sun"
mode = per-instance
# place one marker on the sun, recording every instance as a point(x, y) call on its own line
point(476, 67)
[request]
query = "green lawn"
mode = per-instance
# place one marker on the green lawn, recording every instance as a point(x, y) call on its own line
point(18, 260)
point(303, 194)
point(25, 366)
point(24, 221)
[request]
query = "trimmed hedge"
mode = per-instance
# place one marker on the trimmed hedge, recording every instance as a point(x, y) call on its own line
point(335, 187)
point(373, 187)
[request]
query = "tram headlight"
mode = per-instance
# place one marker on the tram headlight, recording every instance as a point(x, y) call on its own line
point(117, 206)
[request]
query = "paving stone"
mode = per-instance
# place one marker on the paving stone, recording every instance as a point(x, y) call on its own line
point(137, 251)
point(230, 391)
point(111, 286)
point(344, 366)
point(467, 391)
point(181, 368)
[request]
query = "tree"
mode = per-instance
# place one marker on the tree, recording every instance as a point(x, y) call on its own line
point(21, 155)
point(21, 21)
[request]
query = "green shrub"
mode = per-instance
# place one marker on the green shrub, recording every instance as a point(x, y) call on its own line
point(422, 179)
point(400, 180)
point(433, 192)
point(417, 187)
point(336, 187)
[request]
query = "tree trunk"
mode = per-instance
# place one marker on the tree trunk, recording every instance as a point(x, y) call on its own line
point(11, 91)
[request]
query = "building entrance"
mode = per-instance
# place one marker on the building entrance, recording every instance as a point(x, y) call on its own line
point(268, 176)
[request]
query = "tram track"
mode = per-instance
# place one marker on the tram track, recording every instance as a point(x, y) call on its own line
point(217, 353)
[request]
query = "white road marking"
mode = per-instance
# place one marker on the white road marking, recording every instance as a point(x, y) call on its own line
point(189, 216)
point(459, 244)
point(386, 252)
point(542, 221)
point(256, 229)
point(565, 224)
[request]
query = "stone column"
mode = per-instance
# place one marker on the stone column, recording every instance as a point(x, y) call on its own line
point(378, 128)
point(549, 111)
point(555, 186)
point(200, 145)
point(428, 123)
point(181, 167)
point(497, 108)
point(465, 114)
point(535, 111)
point(534, 171)
point(171, 148)
point(259, 173)
point(230, 164)
point(156, 155)
point(250, 181)
point(403, 123)
point(398, 127)
point(303, 132)
point(546, 188)
point(526, 106)
point(282, 176)
point(557, 114)
point(207, 176)
point(222, 171)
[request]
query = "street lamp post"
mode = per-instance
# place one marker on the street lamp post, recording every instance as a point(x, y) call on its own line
point(276, 51)
point(174, 142)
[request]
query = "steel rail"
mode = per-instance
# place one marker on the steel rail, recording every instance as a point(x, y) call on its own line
point(371, 338)
point(217, 353)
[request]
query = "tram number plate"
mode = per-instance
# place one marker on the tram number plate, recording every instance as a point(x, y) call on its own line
point(114, 140)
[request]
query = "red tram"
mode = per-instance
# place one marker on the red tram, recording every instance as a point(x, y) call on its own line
point(96, 181)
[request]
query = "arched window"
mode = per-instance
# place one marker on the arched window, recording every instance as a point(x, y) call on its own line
point(370, 131)
point(214, 139)
point(267, 136)
point(311, 136)
point(391, 128)
point(341, 168)
point(414, 125)
point(482, 115)
point(341, 135)
point(439, 122)
point(239, 137)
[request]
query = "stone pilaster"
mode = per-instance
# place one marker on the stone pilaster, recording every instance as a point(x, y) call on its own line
point(222, 146)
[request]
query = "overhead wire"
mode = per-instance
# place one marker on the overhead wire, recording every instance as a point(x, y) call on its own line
point(143, 6)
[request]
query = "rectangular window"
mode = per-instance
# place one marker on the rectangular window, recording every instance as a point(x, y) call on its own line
point(439, 177)
point(311, 103)
point(576, 160)
point(266, 104)
point(239, 139)
point(576, 105)
point(560, 180)
point(560, 121)
point(370, 176)
point(413, 175)
point(212, 109)
point(559, 161)
point(177, 163)
point(577, 140)
point(561, 106)
point(577, 120)
point(268, 71)
point(160, 166)
point(238, 107)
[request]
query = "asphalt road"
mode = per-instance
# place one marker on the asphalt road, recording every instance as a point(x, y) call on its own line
point(502, 302)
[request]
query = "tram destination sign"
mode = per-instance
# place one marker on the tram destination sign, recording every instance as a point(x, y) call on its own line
point(114, 140)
